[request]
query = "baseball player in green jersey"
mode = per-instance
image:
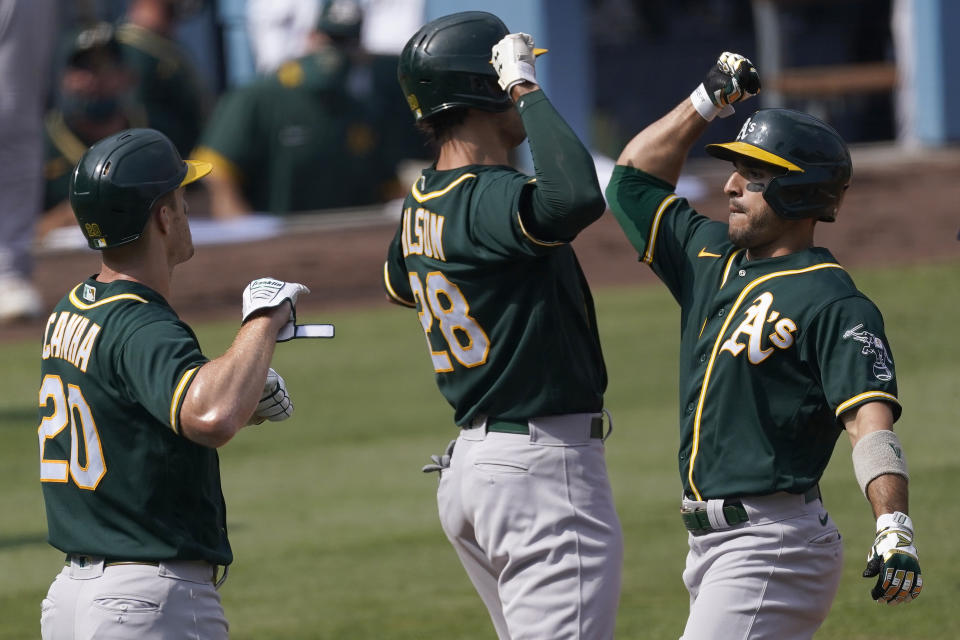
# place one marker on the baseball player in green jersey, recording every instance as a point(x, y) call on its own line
point(779, 354)
point(299, 139)
point(483, 254)
point(131, 411)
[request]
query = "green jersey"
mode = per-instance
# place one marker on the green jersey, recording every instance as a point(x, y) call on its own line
point(119, 479)
point(507, 312)
point(297, 141)
point(772, 351)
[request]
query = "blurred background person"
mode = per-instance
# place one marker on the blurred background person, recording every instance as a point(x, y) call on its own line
point(92, 101)
point(280, 30)
point(168, 83)
point(27, 34)
point(302, 138)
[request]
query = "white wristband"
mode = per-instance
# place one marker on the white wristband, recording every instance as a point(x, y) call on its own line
point(705, 107)
point(875, 454)
point(896, 519)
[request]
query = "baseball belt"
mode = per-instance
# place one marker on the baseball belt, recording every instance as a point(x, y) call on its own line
point(716, 513)
point(83, 560)
point(523, 428)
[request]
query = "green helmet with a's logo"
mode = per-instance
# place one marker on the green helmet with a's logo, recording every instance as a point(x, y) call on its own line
point(815, 159)
point(119, 179)
point(446, 64)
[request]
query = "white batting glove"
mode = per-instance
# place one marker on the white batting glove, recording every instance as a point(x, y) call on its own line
point(267, 293)
point(275, 403)
point(513, 59)
point(733, 79)
point(893, 559)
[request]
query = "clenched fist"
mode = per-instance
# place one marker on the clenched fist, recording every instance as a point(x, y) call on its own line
point(733, 79)
point(513, 59)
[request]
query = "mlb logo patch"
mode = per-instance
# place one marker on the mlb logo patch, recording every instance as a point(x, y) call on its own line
point(89, 293)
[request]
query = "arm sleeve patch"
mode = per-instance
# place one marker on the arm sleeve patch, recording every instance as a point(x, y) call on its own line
point(853, 355)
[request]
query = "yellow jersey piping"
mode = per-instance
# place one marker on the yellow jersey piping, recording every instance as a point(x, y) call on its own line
point(422, 197)
point(181, 387)
point(392, 292)
point(75, 301)
point(542, 243)
point(726, 270)
point(879, 395)
point(655, 227)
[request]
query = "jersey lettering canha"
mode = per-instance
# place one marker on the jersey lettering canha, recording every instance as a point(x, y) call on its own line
point(119, 480)
point(772, 351)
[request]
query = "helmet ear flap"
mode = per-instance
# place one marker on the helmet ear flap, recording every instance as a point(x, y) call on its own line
point(796, 196)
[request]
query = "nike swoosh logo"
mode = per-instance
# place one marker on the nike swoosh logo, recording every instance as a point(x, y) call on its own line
point(823, 519)
point(706, 254)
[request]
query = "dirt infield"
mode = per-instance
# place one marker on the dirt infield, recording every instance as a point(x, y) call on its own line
point(901, 209)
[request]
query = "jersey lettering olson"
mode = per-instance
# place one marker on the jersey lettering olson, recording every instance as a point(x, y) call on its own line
point(753, 326)
point(72, 339)
point(422, 234)
point(716, 350)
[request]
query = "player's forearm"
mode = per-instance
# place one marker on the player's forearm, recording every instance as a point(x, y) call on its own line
point(225, 391)
point(568, 196)
point(226, 198)
point(662, 147)
point(878, 460)
point(888, 493)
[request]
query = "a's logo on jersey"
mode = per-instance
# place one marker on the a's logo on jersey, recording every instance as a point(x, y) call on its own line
point(872, 346)
point(89, 293)
point(754, 328)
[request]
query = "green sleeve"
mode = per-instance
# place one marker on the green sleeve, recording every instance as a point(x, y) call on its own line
point(567, 197)
point(157, 364)
point(234, 132)
point(396, 281)
point(847, 346)
point(664, 229)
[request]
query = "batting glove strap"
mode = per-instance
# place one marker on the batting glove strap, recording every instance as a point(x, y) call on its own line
point(513, 60)
point(894, 561)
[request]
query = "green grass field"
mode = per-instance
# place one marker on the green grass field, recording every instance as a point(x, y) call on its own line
point(335, 531)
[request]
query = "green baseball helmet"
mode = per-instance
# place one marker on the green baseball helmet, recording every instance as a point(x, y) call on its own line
point(119, 179)
point(446, 64)
point(815, 157)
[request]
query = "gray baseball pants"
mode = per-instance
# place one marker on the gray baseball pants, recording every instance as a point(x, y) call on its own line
point(532, 519)
point(773, 577)
point(90, 601)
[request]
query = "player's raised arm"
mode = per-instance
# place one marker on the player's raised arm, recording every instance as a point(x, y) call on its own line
point(567, 196)
point(661, 148)
point(881, 470)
